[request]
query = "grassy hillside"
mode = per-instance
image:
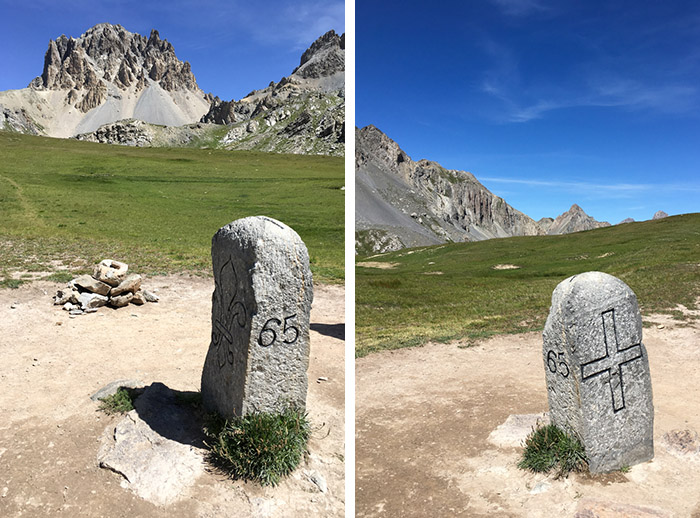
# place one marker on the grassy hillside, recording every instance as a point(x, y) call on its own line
point(454, 291)
point(157, 208)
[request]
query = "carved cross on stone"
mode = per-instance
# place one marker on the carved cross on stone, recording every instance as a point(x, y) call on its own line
point(597, 370)
point(615, 357)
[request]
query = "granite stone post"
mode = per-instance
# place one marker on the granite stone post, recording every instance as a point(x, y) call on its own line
point(259, 351)
point(597, 370)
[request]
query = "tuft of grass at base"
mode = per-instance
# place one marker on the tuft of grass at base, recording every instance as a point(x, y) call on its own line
point(11, 283)
point(548, 448)
point(120, 402)
point(259, 447)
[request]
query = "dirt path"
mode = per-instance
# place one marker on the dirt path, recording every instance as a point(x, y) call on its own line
point(424, 416)
point(50, 433)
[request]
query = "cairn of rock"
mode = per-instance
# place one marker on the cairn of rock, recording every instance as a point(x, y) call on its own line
point(111, 284)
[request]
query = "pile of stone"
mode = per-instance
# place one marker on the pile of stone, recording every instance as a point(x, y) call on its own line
point(110, 284)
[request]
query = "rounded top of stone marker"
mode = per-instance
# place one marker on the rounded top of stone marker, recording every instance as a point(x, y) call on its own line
point(591, 289)
point(252, 228)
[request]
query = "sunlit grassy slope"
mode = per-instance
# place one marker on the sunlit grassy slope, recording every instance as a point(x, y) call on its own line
point(157, 209)
point(455, 291)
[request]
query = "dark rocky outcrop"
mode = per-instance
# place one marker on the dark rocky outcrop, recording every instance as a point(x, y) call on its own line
point(421, 203)
point(302, 113)
point(109, 53)
point(401, 203)
point(107, 74)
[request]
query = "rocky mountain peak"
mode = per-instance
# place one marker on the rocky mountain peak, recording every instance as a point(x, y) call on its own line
point(573, 220)
point(401, 202)
point(304, 109)
point(372, 143)
point(659, 215)
point(325, 57)
point(107, 55)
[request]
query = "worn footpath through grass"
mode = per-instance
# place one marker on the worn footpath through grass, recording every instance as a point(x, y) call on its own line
point(473, 290)
point(65, 203)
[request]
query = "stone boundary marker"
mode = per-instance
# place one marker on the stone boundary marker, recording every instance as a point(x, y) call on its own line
point(259, 351)
point(597, 370)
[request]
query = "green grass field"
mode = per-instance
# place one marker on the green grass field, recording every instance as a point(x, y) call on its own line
point(156, 208)
point(448, 292)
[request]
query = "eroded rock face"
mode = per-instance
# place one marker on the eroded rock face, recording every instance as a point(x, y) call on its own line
point(421, 203)
point(106, 74)
point(448, 205)
point(597, 370)
point(109, 53)
point(259, 350)
point(302, 113)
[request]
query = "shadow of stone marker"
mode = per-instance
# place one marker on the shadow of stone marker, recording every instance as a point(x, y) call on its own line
point(597, 370)
point(259, 350)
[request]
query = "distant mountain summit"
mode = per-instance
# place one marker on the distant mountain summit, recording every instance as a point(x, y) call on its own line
point(113, 86)
point(659, 215)
point(403, 203)
point(573, 220)
point(302, 113)
point(107, 74)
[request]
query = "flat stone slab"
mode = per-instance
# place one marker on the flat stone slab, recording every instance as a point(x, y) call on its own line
point(589, 508)
point(156, 447)
point(111, 388)
point(513, 432)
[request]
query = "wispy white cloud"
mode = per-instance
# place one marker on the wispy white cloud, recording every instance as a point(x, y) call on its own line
point(523, 103)
point(600, 190)
point(520, 7)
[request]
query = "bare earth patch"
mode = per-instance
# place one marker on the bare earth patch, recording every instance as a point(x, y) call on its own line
point(51, 431)
point(426, 445)
point(505, 267)
point(377, 264)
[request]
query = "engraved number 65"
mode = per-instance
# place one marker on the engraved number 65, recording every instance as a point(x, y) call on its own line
point(268, 335)
point(552, 363)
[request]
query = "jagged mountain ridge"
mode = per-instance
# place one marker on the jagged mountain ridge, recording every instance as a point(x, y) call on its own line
point(107, 74)
point(105, 85)
point(398, 200)
point(404, 203)
point(303, 112)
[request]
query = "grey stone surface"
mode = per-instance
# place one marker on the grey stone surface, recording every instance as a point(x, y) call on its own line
point(121, 300)
point(259, 351)
point(157, 447)
point(597, 370)
point(111, 388)
point(138, 299)
point(150, 296)
point(513, 432)
point(682, 443)
point(92, 300)
point(111, 272)
point(92, 285)
point(131, 283)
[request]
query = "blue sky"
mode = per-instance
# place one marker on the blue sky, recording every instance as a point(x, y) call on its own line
point(548, 103)
point(233, 46)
